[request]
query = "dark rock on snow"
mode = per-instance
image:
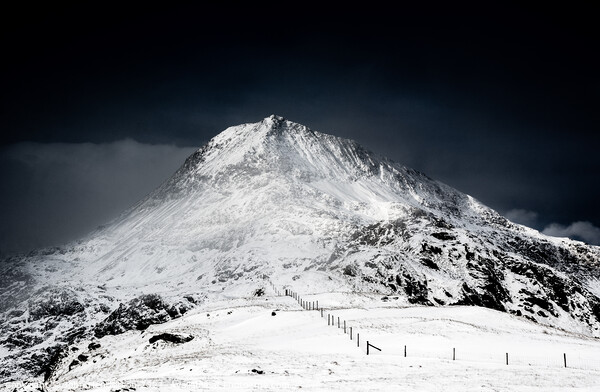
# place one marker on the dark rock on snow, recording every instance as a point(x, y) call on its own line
point(171, 338)
point(139, 313)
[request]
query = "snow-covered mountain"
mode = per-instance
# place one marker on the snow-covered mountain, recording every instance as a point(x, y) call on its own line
point(275, 201)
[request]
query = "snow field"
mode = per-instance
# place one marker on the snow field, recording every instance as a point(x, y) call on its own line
point(466, 335)
point(296, 350)
point(455, 333)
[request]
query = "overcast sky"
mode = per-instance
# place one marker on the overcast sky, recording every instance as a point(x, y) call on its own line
point(99, 106)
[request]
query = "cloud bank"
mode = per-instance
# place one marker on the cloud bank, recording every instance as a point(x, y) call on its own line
point(583, 231)
point(55, 192)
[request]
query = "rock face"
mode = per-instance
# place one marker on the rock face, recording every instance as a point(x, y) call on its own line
point(139, 314)
point(277, 201)
point(494, 268)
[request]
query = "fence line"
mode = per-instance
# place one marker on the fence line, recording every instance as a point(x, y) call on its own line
point(314, 305)
point(508, 359)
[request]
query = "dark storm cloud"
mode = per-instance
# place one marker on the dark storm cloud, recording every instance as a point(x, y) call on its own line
point(584, 231)
point(53, 193)
point(523, 217)
point(497, 102)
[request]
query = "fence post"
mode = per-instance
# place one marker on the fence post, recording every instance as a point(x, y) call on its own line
point(454, 354)
point(321, 312)
point(507, 358)
point(317, 304)
point(565, 358)
point(369, 345)
point(357, 340)
point(350, 333)
point(338, 321)
point(404, 351)
point(328, 319)
point(344, 326)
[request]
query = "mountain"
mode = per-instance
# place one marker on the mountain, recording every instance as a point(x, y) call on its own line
point(276, 202)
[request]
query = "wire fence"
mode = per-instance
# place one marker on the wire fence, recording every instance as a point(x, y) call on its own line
point(364, 335)
point(389, 344)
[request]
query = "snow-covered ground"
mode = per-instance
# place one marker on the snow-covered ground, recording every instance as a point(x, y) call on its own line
point(296, 349)
point(323, 215)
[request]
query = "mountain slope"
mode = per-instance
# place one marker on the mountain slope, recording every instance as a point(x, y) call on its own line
point(239, 345)
point(277, 201)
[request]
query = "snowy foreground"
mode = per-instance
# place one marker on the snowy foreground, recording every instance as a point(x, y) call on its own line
point(239, 345)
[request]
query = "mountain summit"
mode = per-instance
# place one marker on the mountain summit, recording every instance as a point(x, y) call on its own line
point(265, 195)
point(276, 201)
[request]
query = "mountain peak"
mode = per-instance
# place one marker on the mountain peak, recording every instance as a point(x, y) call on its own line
point(275, 123)
point(275, 200)
point(274, 117)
